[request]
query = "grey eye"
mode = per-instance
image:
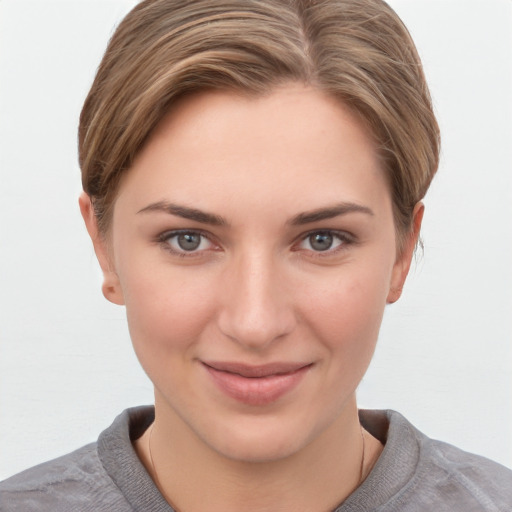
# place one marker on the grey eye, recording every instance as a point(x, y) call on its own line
point(188, 241)
point(324, 241)
point(321, 241)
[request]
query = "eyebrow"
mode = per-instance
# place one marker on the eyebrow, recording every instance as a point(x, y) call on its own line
point(212, 219)
point(186, 213)
point(329, 213)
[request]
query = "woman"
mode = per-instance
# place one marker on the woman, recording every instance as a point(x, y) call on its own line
point(253, 175)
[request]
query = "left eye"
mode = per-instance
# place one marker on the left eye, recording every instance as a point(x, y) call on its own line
point(321, 241)
point(187, 241)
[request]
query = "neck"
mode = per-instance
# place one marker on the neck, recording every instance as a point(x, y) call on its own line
point(192, 476)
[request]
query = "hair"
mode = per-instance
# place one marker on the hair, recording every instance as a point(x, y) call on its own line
point(357, 51)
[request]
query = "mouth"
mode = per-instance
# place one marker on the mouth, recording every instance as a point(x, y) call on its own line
point(256, 385)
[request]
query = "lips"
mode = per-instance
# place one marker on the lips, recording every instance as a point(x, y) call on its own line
point(256, 385)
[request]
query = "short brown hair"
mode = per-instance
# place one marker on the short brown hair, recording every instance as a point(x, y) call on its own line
point(358, 51)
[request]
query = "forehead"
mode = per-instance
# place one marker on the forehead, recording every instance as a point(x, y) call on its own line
point(295, 142)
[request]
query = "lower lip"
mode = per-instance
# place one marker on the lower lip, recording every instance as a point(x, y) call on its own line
point(257, 390)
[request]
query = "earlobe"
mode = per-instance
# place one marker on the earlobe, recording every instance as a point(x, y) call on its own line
point(403, 262)
point(111, 287)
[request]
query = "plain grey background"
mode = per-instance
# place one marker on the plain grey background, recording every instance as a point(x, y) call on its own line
point(66, 363)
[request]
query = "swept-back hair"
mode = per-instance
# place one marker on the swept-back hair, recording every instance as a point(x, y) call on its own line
point(357, 51)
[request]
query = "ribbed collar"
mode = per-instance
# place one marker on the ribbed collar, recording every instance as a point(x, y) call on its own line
point(390, 476)
point(396, 466)
point(120, 461)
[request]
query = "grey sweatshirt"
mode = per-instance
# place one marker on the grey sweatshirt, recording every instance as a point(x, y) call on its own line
point(413, 473)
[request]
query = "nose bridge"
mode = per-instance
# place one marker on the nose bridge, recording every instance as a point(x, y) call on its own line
point(256, 308)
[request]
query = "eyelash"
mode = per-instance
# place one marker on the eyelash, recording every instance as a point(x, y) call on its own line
point(345, 239)
point(165, 238)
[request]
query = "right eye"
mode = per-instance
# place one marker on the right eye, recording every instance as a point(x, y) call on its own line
point(186, 243)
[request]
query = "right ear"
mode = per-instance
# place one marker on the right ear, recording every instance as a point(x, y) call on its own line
point(111, 286)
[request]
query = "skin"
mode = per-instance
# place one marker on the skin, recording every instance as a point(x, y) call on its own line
point(255, 291)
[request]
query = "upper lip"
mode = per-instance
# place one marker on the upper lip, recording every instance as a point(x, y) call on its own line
point(263, 370)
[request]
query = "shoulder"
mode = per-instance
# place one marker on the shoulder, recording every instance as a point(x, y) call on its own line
point(76, 481)
point(425, 474)
point(460, 475)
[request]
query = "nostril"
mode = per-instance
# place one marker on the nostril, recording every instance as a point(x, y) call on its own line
point(256, 331)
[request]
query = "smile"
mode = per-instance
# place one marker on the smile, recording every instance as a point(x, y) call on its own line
point(256, 385)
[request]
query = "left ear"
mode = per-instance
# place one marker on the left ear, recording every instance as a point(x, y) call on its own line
point(403, 262)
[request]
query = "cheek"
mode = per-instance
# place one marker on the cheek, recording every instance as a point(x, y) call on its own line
point(346, 311)
point(167, 313)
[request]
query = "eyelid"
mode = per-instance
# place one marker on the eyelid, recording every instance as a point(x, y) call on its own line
point(346, 238)
point(164, 237)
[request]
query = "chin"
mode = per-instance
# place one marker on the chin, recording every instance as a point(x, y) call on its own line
point(258, 450)
point(259, 440)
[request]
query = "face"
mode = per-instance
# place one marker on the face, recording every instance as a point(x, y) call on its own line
point(253, 245)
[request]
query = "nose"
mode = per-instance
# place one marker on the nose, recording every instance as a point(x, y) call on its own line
point(257, 309)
